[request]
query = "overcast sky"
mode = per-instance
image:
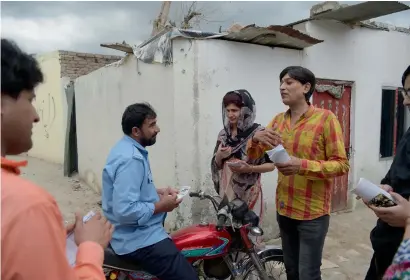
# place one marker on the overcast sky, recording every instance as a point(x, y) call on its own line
point(82, 26)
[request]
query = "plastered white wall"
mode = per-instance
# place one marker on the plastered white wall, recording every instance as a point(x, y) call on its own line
point(101, 98)
point(185, 132)
point(50, 103)
point(64, 82)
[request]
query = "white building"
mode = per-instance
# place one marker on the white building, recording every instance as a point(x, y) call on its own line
point(359, 67)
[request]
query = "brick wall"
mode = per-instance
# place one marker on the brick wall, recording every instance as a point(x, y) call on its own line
point(75, 64)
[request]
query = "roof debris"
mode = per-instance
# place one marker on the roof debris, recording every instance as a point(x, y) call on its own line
point(383, 26)
point(359, 14)
point(159, 48)
point(273, 36)
point(118, 46)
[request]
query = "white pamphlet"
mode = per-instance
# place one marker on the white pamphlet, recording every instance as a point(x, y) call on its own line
point(372, 193)
point(71, 247)
point(278, 154)
point(183, 191)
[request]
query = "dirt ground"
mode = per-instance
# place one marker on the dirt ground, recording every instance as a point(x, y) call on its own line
point(347, 250)
point(69, 193)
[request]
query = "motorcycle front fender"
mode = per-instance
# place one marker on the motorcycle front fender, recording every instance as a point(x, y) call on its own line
point(269, 251)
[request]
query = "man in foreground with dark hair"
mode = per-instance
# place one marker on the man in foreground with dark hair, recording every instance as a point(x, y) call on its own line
point(389, 230)
point(133, 204)
point(314, 140)
point(33, 239)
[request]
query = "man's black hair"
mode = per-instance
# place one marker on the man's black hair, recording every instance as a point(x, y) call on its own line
point(302, 75)
point(19, 70)
point(405, 75)
point(135, 115)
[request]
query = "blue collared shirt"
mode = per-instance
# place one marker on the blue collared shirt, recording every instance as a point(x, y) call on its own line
point(128, 198)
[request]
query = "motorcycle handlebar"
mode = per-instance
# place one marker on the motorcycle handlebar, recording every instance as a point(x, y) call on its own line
point(222, 213)
point(221, 222)
point(201, 195)
point(194, 194)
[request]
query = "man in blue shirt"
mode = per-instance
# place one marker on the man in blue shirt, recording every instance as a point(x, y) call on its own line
point(134, 206)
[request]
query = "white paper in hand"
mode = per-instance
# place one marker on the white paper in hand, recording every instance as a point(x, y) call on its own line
point(373, 194)
point(71, 247)
point(367, 190)
point(278, 154)
point(183, 191)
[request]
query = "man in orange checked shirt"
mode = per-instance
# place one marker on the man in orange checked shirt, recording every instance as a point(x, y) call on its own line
point(314, 140)
point(33, 238)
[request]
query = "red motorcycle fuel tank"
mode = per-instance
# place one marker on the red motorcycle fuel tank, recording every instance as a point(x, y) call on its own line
point(202, 241)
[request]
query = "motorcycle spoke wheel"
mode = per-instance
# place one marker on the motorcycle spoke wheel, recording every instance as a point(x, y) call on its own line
point(274, 268)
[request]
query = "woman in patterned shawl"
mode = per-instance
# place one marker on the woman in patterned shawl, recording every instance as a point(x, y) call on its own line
point(400, 268)
point(244, 182)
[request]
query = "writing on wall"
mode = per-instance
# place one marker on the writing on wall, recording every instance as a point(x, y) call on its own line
point(46, 109)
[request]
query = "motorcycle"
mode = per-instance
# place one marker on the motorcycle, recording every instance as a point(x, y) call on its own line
point(217, 251)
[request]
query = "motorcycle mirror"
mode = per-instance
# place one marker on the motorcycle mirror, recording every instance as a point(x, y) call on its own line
point(256, 231)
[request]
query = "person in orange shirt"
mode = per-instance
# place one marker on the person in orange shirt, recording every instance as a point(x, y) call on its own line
point(33, 238)
point(314, 140)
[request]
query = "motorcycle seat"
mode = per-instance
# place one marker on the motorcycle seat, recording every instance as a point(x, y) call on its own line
point(112, 260)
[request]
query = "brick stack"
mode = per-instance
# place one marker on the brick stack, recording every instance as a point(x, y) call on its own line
point(75, 64)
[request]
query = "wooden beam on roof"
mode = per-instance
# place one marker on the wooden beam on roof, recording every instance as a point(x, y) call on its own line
point(124, 47)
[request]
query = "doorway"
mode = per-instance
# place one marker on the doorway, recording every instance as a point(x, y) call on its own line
point(71, 154)
point(336, 96)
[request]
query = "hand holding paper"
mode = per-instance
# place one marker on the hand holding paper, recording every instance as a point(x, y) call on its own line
point(372, 194)
point(278, 155)
point(396, 216)
point(239, 166)
point(71, 246)
point(291, 167)
point(183, 192)
point(268, 137)
point(92, 227)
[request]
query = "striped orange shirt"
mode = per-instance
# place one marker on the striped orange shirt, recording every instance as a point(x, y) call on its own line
point(316, 139)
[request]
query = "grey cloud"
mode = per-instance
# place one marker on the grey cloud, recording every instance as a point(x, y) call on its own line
point(34, 9)
point(82, 26)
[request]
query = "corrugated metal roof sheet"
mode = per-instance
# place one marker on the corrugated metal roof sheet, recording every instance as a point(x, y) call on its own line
point(273, 36)
point(363, 11)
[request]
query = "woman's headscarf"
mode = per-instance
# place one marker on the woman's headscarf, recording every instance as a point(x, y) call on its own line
point(246, 122)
